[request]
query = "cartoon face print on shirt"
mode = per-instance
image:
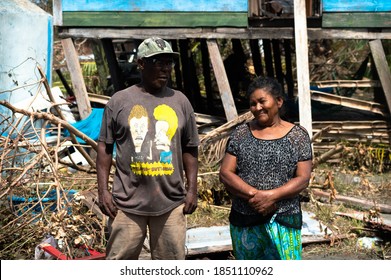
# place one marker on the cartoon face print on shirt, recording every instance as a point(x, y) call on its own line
point(165, 128)
point(152, 154)
point(138, 122)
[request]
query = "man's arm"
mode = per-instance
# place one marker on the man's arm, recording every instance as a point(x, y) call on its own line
point(190, 163)
point(103, 166)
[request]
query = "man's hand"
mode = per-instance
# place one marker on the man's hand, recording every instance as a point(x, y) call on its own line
point(106, 204)
point(190, 203)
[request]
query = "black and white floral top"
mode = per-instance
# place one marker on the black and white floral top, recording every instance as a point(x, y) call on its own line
point(268, 164)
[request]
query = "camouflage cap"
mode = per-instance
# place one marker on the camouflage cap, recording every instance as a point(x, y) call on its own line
point(153, 46)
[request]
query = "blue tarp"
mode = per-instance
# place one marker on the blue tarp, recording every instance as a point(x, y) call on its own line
point(90, 126)
point(22, 204)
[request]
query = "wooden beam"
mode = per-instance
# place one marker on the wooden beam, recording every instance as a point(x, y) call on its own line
point(349, 102)
point(222, 80)
point(356, 20)
point(79, 87)
point(154, 19)
point(347, 83)
point(223, 33)
point(303, 76)
point(382, 68)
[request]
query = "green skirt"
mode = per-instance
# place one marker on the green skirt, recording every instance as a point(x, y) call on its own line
point(269, 241)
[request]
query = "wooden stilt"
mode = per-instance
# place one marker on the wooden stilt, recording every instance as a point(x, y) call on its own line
point(79, 87)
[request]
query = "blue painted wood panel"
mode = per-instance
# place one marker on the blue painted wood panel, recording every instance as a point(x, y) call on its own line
point(356, 6)
point(155, 5)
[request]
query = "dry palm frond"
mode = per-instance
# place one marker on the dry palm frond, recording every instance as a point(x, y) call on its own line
point(213, 144)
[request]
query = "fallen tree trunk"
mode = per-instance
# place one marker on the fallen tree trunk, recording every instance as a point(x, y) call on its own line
point(365, 204)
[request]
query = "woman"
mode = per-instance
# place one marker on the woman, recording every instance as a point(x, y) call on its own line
point(267, 164)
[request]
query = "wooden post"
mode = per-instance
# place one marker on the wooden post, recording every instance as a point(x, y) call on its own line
point(256, 56)
point(309, 5)
point(207, 78)
point(288, 67)
point(79, 87)
point(195, 86)
point(267, 50)
point(222, 80)
point(115, 72)
point(185, 61)
point(101, 62)
point(277, 61)
point(382, 69)
point(177, 68)
point(303, 80)
point(57, 12)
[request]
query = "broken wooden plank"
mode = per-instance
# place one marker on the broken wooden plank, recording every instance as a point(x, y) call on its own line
point(307, 240)
point(222, 80)
point(208, 119)
point(324, 157)
point(98, 98)
point(349, 102)
point(79, 87)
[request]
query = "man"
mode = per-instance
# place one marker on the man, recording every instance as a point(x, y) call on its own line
point(149, 191)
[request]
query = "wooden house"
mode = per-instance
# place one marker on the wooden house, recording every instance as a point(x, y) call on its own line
point(275, 23)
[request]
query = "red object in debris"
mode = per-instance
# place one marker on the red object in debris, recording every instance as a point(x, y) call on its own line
point(94, 255)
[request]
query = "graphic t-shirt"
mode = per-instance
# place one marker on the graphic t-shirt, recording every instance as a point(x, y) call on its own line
point(150, 132)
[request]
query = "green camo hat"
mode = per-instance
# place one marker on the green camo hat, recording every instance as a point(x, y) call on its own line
point(153, 46)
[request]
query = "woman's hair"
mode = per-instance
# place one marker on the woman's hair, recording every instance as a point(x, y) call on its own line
point(271, 86)
point(268, 84)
